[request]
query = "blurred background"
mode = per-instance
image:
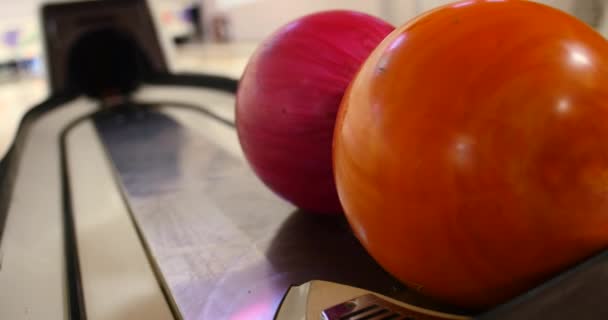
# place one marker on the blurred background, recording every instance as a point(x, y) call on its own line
point(215, 36)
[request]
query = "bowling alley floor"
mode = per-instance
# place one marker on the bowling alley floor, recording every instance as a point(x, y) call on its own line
point(170, 222)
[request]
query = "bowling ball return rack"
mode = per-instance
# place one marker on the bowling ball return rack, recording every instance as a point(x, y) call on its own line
point(222, 246)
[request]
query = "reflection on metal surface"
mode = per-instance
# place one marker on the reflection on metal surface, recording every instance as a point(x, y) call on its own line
point(226, 247)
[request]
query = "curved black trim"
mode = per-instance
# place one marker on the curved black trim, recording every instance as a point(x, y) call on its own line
point(196, 80)
point(76, 305)
point(9, 164)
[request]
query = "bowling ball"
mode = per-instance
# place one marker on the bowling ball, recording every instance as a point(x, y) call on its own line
point(471, 150)
point(289, 96)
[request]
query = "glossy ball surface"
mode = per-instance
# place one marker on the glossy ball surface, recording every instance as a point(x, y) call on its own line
point(471, 151)
point(289, 96)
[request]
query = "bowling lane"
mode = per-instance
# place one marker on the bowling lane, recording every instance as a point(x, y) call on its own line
point(227, 248)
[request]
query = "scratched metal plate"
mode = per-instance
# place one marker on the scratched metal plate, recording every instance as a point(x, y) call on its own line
point(225, 246)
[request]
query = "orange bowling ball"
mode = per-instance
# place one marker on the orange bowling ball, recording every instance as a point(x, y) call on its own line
point(471, 150)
